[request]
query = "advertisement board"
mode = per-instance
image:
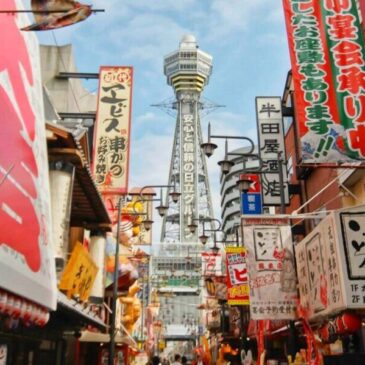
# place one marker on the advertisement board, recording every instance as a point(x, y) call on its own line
point(211, 264)
point(252, 200)
point(271, 269)
point(237, 278)
point(327, 57)
point(27, 266)
point(270, 130)
point(112, 130)
point(331, 264)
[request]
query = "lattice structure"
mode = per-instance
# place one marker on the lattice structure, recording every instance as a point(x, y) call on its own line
point(187, 70)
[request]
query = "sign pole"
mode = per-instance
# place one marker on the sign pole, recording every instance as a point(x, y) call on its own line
point(115, 290)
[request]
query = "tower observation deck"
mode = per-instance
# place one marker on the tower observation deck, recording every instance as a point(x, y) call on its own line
point(187, 70)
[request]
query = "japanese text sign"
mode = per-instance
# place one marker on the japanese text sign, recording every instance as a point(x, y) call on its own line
point(112, 130)
point(79, 274)
point(27, 266)
point(237, 280)
point(327, 57)
point(271, 149)
point(252, 200)
point(331, 265)
point(271, 270)
point(211, 264)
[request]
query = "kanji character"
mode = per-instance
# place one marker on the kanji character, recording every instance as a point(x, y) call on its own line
point(308, 44)
point(348, 53)
point(310, 57)
point(352, 79)
point(268, 108)
point(342, 27)
point(118, 144)
point(100, 169)
point(337, 5)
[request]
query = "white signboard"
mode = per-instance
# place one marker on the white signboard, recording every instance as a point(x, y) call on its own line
point(211, 264)
point(27, 266)
point(271, 270)
point(271, 148)
point(318, 266)
point(331, 265)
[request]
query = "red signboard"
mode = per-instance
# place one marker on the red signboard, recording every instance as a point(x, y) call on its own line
point(26, 257)
point(346, 41)
point(320, 131)
point(237, 279)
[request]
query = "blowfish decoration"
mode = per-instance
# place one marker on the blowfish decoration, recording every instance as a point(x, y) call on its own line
point(47, 17)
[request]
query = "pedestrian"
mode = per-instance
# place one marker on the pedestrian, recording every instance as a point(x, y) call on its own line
point(177, 360)
point(165, 361)
point(184, 360)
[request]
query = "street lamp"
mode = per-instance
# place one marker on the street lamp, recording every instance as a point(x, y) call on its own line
point(243, 184)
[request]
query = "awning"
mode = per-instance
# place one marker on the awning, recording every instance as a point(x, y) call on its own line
point(78, 309)
point(87, 204)
point(88, 336)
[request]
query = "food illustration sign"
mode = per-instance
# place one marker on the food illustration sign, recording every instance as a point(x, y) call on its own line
point(112, 130)
point(271, 269)
point(27, 265)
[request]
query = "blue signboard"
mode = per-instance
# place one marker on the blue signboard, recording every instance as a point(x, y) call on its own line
point(251, 203)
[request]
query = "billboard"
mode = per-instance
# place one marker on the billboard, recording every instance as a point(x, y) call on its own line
point(271, 269)
point(327, 56)
point(211, 264)
point(271, 148)
point(237, 278)
point(331, 264)
point(112, 130)
point(27, 266)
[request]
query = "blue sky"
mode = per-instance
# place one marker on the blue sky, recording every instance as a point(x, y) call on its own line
point(247, 39)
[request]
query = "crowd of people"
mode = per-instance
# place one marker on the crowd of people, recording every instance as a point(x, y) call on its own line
point(178, 360)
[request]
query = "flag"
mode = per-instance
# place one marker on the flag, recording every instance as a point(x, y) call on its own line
point(71, 12)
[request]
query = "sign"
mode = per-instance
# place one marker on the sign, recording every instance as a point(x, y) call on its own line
point(271, 270)
point(216, 287)
point(331, 264)
point(252, 200)
point(112, 130)
point(271, 149)
point(237, 278)
point(188, 170)
point(27, 266)
point(211, 264)
point(80, 273)
point(324, 39)
point(345, 39)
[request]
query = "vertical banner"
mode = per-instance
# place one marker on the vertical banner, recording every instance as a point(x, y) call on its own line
point(237, 279)
point(319, 126)
point(270, 129)
point(188, 114)
point(112, 130)
point(345, 39)
point(271, 268)
point(27, 265)
point(252, 200)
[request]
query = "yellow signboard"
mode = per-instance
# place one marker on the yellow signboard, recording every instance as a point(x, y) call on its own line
point(80, 273)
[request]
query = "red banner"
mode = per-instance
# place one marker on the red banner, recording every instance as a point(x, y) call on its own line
point(237, 279)
point(317, 116)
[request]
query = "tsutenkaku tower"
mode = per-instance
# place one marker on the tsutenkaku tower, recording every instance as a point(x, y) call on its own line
point(187, 70)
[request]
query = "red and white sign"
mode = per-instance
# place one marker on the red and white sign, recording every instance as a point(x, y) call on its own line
point(211, 264)
point(237, 278)
point(26, 256)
